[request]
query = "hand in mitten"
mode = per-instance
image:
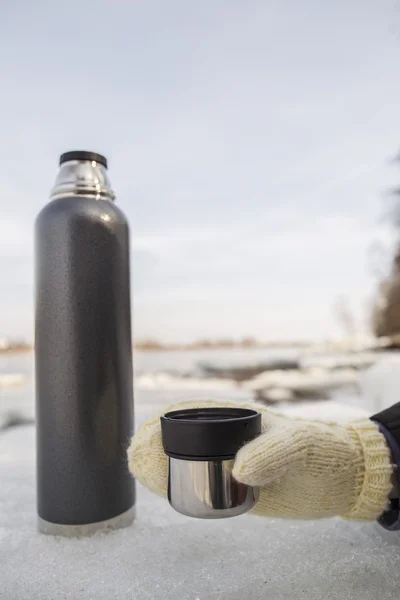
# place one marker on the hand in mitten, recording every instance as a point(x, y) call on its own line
point(305, 469)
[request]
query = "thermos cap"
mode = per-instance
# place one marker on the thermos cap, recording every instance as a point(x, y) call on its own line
point(208, 433)
point(82, 174)
point(83, 155)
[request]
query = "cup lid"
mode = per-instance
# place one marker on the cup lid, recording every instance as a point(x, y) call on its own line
point(208, 433)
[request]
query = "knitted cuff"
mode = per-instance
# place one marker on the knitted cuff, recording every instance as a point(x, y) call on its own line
point(374, 471)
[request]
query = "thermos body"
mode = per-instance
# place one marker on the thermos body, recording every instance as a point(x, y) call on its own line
point(83, 355)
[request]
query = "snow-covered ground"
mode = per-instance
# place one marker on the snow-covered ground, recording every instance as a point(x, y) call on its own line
point(170, 557)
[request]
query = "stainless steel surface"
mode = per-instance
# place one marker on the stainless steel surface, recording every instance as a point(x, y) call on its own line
point(207, 490)
point(73, 531)
point(83, 178)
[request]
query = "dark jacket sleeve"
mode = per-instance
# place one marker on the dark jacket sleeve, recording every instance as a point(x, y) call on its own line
point(389, 424)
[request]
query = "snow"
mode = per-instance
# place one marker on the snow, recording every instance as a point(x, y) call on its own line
point(166, 381)
point(11, 379)
point(341, 360)
point(311, 380)
point(167, 556)
point(380, 384)
point(324, 410)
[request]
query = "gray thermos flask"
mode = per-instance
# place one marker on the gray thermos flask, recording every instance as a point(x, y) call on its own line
point(83, 353)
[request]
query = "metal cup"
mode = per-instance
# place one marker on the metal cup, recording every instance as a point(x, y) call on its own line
point(201, 445)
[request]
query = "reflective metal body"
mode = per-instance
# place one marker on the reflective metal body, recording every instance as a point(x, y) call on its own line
point(207, 489)
point(76, 531)
point(82, 178)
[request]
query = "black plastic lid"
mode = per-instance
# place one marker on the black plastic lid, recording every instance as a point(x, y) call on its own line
point(83, 155)
point(208, 433)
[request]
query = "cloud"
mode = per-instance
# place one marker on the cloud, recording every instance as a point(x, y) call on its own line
point(247, 145)
point(16, 239)
point(284, 283)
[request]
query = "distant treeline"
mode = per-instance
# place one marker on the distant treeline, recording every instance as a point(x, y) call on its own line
point(246, 342)
point(13, 347)
point(148, 345)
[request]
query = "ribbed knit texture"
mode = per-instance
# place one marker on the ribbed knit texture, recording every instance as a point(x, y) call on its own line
point(374, 481)
point(305, 469)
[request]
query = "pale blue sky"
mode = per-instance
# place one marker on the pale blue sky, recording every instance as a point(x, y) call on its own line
point(248, 144)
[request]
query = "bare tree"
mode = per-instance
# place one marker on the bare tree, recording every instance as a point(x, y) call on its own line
point(386, 310)
point(345, 316)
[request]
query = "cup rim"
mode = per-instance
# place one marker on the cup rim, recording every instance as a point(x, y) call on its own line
point(210, 414)
point(208, 432)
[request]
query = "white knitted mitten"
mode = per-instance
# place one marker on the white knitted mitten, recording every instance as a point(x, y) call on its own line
point(306, 469)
